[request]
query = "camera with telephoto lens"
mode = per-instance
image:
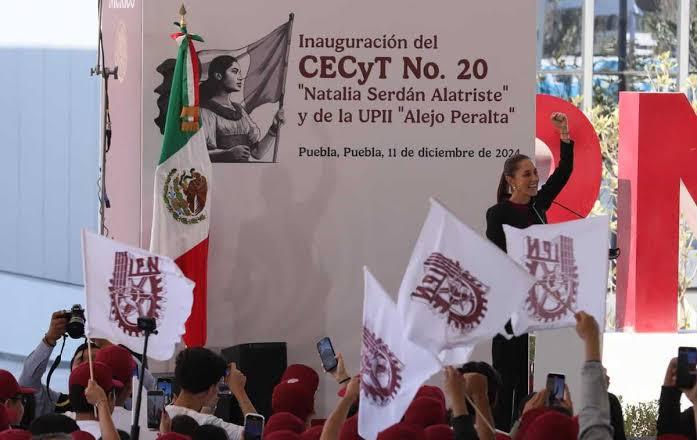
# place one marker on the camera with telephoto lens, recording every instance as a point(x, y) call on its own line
point(76, 322)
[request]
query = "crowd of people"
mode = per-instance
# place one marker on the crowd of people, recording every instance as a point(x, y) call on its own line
point(99, 398)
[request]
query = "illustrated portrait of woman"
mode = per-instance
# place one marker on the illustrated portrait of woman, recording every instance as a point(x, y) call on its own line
point(231, 134)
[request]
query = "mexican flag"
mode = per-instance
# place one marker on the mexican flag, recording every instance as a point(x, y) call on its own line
point(181, 213)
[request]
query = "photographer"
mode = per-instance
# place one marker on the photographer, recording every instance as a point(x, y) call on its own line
point(62, 323)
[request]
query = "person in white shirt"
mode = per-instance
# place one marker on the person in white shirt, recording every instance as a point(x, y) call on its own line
point(198, 372)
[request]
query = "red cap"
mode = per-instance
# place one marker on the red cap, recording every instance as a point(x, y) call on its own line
point(439, 432)
point(9, 386)
point(425, 411)
point(402, 431)
point(82, 435)
point(4, 418)
point(545, 423)
point(430, 391)
point(302, 374)
point(293, 397)
point(284, 421)
point(349, 431)
point(102, 375)
point(313, 433)
point(281, 435)
point(15, 434)
point(173, 436)
point(120, 360)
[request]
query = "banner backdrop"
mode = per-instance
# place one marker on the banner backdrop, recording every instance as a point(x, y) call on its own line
point(383, 106)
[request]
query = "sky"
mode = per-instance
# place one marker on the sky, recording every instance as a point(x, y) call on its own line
point(49, 23)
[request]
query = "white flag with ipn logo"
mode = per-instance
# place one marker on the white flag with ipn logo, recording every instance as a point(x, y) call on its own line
point(570, 264)
point(123, 283)
point(392, 367)
point(458, 289)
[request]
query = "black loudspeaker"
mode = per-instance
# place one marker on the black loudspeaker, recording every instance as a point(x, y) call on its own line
point(263, 363)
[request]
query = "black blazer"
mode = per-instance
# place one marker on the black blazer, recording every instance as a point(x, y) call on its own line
point(504, 213)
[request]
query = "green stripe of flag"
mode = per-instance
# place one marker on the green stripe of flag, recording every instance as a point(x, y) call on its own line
point(175, 138)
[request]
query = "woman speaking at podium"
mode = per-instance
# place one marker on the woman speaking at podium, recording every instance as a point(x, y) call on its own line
point(521, 204)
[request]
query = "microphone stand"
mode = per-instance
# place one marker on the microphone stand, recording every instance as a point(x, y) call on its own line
point(100, 69)
point(613, 253)
point(148, 326)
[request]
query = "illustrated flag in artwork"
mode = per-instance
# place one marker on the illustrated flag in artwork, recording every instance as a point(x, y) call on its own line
point(569, 262)
point(263, 64)
point(392, 367)
point(123, 283)
point(458, 289)
point(181, 212)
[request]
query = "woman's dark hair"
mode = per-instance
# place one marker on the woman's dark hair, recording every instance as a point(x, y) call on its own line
point(82, 347)
point(185, 425)
point(210, 432)
point(78, 401)
point(509, 169)
point(211, 85)
point(51, 423)
point(493, 378)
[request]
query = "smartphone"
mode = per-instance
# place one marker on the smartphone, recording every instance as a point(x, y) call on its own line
point(253, 426)
point(687, 360)
point(156, 404)
point(555, 387)
point(326, 354)
point(165, 385)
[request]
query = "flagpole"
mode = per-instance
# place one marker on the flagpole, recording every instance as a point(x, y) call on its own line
point(291, 17)
point(89, 360)
point(479, 411)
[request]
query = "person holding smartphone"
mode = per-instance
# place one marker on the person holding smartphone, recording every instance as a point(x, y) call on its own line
point(670, 419)
point(594, 416)
point(198, 372)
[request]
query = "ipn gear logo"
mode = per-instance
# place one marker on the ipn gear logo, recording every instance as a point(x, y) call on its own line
point(553, 265)
point(136, 289)
point(381, 371)
point(453, 292)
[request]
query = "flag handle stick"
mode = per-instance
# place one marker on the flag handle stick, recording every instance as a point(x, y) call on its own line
point(478, 411)
point(291, 17)
point(556, 296)
point(89, 361)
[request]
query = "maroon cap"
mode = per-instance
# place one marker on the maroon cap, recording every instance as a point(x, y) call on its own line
point(293, 397)
point(15, 434)
point(284, 421)
point(102, 375)
point(82, 435)
point(430, 391)
point(9, 386)
point(439, 432)
point(425, 411)
point(282, 435)
point(546, 423)
point(349, 430)
point(402, 431)
point(4, 418)
point(313, 433)
point(119, 360)
point(303, 374)
point(173, 436)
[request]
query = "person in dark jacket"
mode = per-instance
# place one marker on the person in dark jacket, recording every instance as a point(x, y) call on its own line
point(521, 204)
point(670, 419)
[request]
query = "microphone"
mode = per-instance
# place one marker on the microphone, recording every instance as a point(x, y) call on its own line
point(613, 253)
